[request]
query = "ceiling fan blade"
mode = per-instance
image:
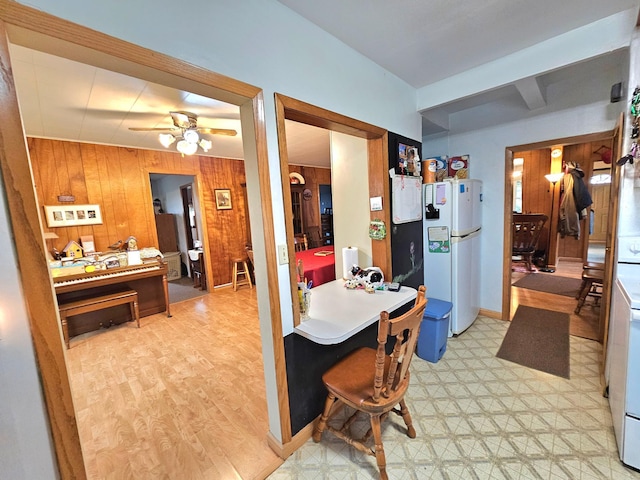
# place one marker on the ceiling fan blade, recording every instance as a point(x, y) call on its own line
point(160, 129)
point(218, 131)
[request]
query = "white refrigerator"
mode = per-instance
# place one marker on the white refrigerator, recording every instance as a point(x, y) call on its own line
point(452, 228)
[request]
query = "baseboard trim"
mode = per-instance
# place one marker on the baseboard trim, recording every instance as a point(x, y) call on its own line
point(285, 450)
point(490, 314)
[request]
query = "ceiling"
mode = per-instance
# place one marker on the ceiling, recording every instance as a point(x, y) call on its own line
point(423, 41)
point(420, 41)
point(67, 100)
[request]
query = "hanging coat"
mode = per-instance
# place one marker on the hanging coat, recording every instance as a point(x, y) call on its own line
point(580, 192)
point(568, 218)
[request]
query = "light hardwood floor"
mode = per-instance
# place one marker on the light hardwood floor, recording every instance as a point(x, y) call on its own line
point(179, 398)
point(583, 325)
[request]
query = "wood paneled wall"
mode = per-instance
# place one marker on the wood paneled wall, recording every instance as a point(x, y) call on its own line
point(227, 229)
point(117, 179)
point(314, 177)
point(536, 193)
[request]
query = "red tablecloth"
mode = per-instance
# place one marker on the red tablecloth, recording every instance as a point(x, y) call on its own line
point(318, 269)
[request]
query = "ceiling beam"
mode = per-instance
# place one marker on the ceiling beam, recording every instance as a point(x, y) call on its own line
point(531, 92)
point(567, 49)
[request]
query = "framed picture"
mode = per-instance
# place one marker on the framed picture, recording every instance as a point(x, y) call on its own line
point(72, 215)
point(223, 199)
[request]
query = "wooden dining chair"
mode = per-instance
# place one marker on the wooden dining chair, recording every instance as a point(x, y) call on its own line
point(313, 234)
point(300, 242)
point(526, 230)
point(374, 383)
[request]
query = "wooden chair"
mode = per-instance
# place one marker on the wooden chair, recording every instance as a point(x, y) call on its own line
point(252, 267)
point(374, 383)
point(300, 242)
point(526, 230)
point(315, 239)
point(592, 278)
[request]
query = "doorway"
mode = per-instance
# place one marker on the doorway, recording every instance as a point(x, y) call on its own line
point(49, 33)
point(568, 254)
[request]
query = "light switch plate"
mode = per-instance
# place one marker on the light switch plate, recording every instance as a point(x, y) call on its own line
point(283, 254)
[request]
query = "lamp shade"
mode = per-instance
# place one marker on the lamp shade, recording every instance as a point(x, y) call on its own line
point(186, 148)
point(166, 139)
point(554, 177)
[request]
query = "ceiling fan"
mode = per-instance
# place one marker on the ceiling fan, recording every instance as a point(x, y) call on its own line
point(186, 132)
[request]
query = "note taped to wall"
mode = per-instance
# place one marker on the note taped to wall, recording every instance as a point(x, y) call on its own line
point(407, 199)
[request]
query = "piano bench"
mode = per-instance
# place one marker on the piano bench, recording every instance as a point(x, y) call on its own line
point(91, 304)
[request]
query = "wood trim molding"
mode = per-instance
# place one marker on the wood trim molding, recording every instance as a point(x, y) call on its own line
point(38, 289)
point(285, 450)
point(378, 151)
point(35, 29)
point(490, 314)
point(508, 240)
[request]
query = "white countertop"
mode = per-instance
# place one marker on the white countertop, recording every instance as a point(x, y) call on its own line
point(338, 313)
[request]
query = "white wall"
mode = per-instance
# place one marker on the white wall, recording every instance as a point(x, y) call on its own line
point(24, 436)
point(350, 193)
point(576, 107)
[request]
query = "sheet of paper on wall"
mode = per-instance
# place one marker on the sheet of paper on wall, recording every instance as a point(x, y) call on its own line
point(406, 199)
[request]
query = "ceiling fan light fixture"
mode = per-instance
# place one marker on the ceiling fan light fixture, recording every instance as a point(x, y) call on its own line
point(205, 145)
point(166, 139)
point(186, 148)
point(191, 136)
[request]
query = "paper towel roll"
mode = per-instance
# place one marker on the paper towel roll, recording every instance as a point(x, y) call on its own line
point(349, 259)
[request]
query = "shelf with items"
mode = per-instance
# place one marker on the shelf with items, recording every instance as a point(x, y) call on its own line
point(327, 229)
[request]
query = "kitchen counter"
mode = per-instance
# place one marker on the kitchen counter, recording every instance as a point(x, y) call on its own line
point(337, 313)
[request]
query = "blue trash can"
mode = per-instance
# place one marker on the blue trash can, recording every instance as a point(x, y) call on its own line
point(432, 341)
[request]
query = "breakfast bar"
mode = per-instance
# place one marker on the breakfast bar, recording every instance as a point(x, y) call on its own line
point(339, 321)
point(337, 313)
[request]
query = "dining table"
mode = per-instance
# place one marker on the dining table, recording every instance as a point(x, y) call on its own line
point(319, 264)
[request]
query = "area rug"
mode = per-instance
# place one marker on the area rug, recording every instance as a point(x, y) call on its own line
point(538, 339)
point(182, 289)
point(550, 283)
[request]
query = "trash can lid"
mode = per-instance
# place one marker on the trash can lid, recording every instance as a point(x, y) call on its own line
point(437, 308)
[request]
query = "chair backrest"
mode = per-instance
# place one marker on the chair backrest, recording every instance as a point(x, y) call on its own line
point(300, 242)
point(405, 330)
point(526, 230)
point(315, 239)
point(249, 254)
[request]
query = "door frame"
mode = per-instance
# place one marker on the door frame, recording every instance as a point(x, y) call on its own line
point(508, 208)
point(33, 28)
point(288, 108)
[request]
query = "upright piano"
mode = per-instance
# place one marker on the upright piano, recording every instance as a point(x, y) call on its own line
point(148, 279)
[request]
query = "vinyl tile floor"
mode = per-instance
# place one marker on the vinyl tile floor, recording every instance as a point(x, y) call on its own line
point(481, 417)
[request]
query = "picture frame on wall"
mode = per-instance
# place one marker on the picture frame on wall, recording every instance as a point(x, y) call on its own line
point(72, 215)
point(223, 199)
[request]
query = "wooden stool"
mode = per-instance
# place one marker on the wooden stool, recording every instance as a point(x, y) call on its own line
point(585, 267)
point(591, 283)
point(243, 272)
